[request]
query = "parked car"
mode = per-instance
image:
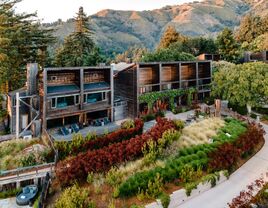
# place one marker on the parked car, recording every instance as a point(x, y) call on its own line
point(27, 195)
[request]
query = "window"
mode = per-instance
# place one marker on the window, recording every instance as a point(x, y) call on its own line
point(85, 98)
point(76, 99)
point(53, 103)
point(94, 97)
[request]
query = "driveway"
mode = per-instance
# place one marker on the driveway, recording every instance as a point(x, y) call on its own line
point(219, 196)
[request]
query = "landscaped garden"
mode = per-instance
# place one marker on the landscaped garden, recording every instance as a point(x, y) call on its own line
point(21, 153)
point(128, 168)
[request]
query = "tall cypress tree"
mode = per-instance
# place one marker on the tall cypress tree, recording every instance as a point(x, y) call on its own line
point(79, 48)
point(22, 40)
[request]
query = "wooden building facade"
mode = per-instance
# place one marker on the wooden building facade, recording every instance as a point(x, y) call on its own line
point(150, 77)
point(76, 95)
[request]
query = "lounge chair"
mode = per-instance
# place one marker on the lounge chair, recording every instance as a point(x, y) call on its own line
point(106, 120)
point(97, 122)
point(64, 131)
point(75, 128)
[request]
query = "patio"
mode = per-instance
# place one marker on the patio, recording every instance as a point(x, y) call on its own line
point(98, 130)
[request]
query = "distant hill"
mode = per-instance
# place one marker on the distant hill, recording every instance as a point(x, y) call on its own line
point(116, 31)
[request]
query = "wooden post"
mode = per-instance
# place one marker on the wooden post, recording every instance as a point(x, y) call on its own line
point(81, 89)
point(112, 93)
point(17, 115)
point(44, 122)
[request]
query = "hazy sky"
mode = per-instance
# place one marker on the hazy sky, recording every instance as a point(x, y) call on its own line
point(51, 10)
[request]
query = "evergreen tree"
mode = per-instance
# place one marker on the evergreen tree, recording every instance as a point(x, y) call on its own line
point(251, 27)
point(228, 47)
point(79, 48)
point(133, 54)
point(170, 36)
point(21, 40)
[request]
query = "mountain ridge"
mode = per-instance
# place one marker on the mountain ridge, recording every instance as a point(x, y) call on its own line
point(117, 30)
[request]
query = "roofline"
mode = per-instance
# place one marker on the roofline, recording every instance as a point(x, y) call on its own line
point(130, 66)
point(173, 62)
point(76, 68)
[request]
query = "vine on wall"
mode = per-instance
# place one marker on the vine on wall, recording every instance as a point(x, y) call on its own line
point(151, 97)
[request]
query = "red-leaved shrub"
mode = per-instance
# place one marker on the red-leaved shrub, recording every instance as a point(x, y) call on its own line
point(114, 137)
point(227, 154)
point(103, 159)
point(242, 201)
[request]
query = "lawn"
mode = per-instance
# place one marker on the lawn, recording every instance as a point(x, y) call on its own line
point(134, 171)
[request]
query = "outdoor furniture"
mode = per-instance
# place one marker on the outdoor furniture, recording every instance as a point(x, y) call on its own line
point(75, 128)
point(64, 131)
point(27, 195)
point(106, 120)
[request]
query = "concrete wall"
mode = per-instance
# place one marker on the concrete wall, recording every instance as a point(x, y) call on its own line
point(179, 197)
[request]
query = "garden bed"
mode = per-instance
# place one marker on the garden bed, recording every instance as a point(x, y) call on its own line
point(22, 153)
point(159, 162)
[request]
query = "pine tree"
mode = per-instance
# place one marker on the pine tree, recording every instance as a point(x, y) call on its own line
point(79, 48)
point(170, 36)
point(227, 45)
point(21, 40)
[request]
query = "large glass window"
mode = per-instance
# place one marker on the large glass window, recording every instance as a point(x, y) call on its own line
point(94, 97)
point(62, 102)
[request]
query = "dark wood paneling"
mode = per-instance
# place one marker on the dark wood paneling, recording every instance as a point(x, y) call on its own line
point(170, 73)
point(188, 71)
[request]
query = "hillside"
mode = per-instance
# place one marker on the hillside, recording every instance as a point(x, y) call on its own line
point(115, 30)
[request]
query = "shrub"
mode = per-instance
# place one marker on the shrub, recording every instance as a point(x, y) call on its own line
point(128, 124)
point(168, 137)
point(165, 199)
point(90, 178)
point(80, 144)
point(154, 188)
point(113, 177)
point(179, 124)
point(189, 187)
point(28, 160)
point(148, 117)
point(103, 159)
point(73, 197)
point(9, 193)
point(150, 152)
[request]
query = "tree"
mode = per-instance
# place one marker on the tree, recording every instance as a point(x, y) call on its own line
point(133, 54)
point(228, 47)
point(167, 54)
point(79, 48)
point(170, 36)
point(243, 84)
point(258, 44)
point(22, 40)
point(251, 27)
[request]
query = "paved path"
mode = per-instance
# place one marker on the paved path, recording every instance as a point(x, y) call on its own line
point(219, 196)
point(10, 203)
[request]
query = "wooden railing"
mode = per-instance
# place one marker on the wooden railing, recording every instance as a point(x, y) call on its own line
point(23, 170)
